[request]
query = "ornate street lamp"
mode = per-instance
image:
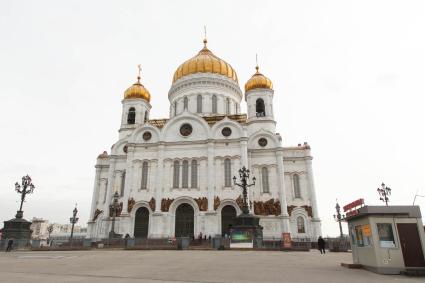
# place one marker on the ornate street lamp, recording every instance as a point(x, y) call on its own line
point(27, 187)
point(50, 230)
point(113, 209)
point(73, 220)
point(244, 176)
point(339, 218)
point(384, 193)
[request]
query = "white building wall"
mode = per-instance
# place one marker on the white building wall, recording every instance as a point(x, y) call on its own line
point(210, 148)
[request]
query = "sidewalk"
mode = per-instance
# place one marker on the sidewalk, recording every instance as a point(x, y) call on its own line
point(184, 266)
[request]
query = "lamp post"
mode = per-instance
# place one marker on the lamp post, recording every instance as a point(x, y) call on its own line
point(244, 176)
point(50, 230)
point(73, 220)
point(113, 208)
point(26, 187)
point(384, 193)
point(339, 217)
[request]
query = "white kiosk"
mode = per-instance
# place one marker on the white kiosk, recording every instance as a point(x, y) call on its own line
point(387, 239)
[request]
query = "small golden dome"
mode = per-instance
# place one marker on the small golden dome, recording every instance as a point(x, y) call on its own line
point(205, 62)
point(258, 80)
point(137, 90)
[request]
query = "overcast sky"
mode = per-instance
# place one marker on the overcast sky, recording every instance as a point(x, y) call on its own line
point(348, 79)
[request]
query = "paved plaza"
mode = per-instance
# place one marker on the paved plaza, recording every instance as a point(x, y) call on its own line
point(183, 266)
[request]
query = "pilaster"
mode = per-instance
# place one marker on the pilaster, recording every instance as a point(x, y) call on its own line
point(159, 177)
point(211, 175)
point(282, 192)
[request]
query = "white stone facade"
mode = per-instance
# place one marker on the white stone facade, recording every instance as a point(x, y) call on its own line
point(143, 170)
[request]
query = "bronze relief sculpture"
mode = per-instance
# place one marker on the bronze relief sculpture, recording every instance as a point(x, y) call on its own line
point(152, 204)
point(165, 204)
point(97, 213)
point(130, 204)
point(202, 203)
point(216, 202)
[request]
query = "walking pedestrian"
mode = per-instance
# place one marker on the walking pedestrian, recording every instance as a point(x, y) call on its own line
point(321, 245)
point(9, 245)
point(127, 236)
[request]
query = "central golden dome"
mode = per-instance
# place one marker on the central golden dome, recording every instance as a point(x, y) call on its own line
point(205, 62)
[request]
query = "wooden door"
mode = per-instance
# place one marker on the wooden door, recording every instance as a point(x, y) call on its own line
point(141, 223)
point(411, 245)
point(184, 221)
point(228, 215)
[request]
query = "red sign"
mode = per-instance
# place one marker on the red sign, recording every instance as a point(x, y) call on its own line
point(354, 204)
point(286, 241)
point(352, 213)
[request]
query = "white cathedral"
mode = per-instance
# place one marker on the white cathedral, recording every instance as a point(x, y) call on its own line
point(174, 176)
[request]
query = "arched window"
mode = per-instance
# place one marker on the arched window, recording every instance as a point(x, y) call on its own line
point(185, 177)
point(199, 103)
point(194, 174)
point(122, 183)
point(214, 104)
point(265, 179)
point(175, 108)
point(227, 173)
point(260, 108)
point(227, 106)
point(131, 116)
point(300, 225)
point(146, 116)
point(144, 176)
point(185, 102)
point(176, 174)
point(296, 181)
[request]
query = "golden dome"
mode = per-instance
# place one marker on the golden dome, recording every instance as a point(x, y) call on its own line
point(258, 80)
point(137, 90)
point(205, 62)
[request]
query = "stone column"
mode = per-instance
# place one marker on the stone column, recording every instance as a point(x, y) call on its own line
point(159, 177)
point(244, 152)
point(128, 180)
point(282, 192)
point(211, 175)
point(111, 183)
point(95, 197)
point(313, 200)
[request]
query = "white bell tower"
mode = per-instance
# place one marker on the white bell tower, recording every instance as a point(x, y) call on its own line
point(135, 107)
point(259, 98)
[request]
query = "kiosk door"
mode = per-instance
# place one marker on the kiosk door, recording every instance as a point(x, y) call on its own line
point(410, 245)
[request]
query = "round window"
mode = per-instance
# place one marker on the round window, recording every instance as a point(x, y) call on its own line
point(262, 142)
point(147, 136)
point(226, 131)
point(185, 130)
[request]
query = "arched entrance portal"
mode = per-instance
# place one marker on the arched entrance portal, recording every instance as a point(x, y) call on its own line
point(228, 214)
point(141, 223)
point(184, 221)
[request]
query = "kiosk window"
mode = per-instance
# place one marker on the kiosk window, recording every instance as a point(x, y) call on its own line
point(386, 235)
point(363, 235)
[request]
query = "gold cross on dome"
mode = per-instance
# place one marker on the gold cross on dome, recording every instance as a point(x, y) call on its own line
point(205, 36)
point(139, 67)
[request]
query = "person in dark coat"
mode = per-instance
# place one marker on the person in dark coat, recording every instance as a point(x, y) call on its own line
point(127, 236)
point(9, 245)
point(321, 245)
